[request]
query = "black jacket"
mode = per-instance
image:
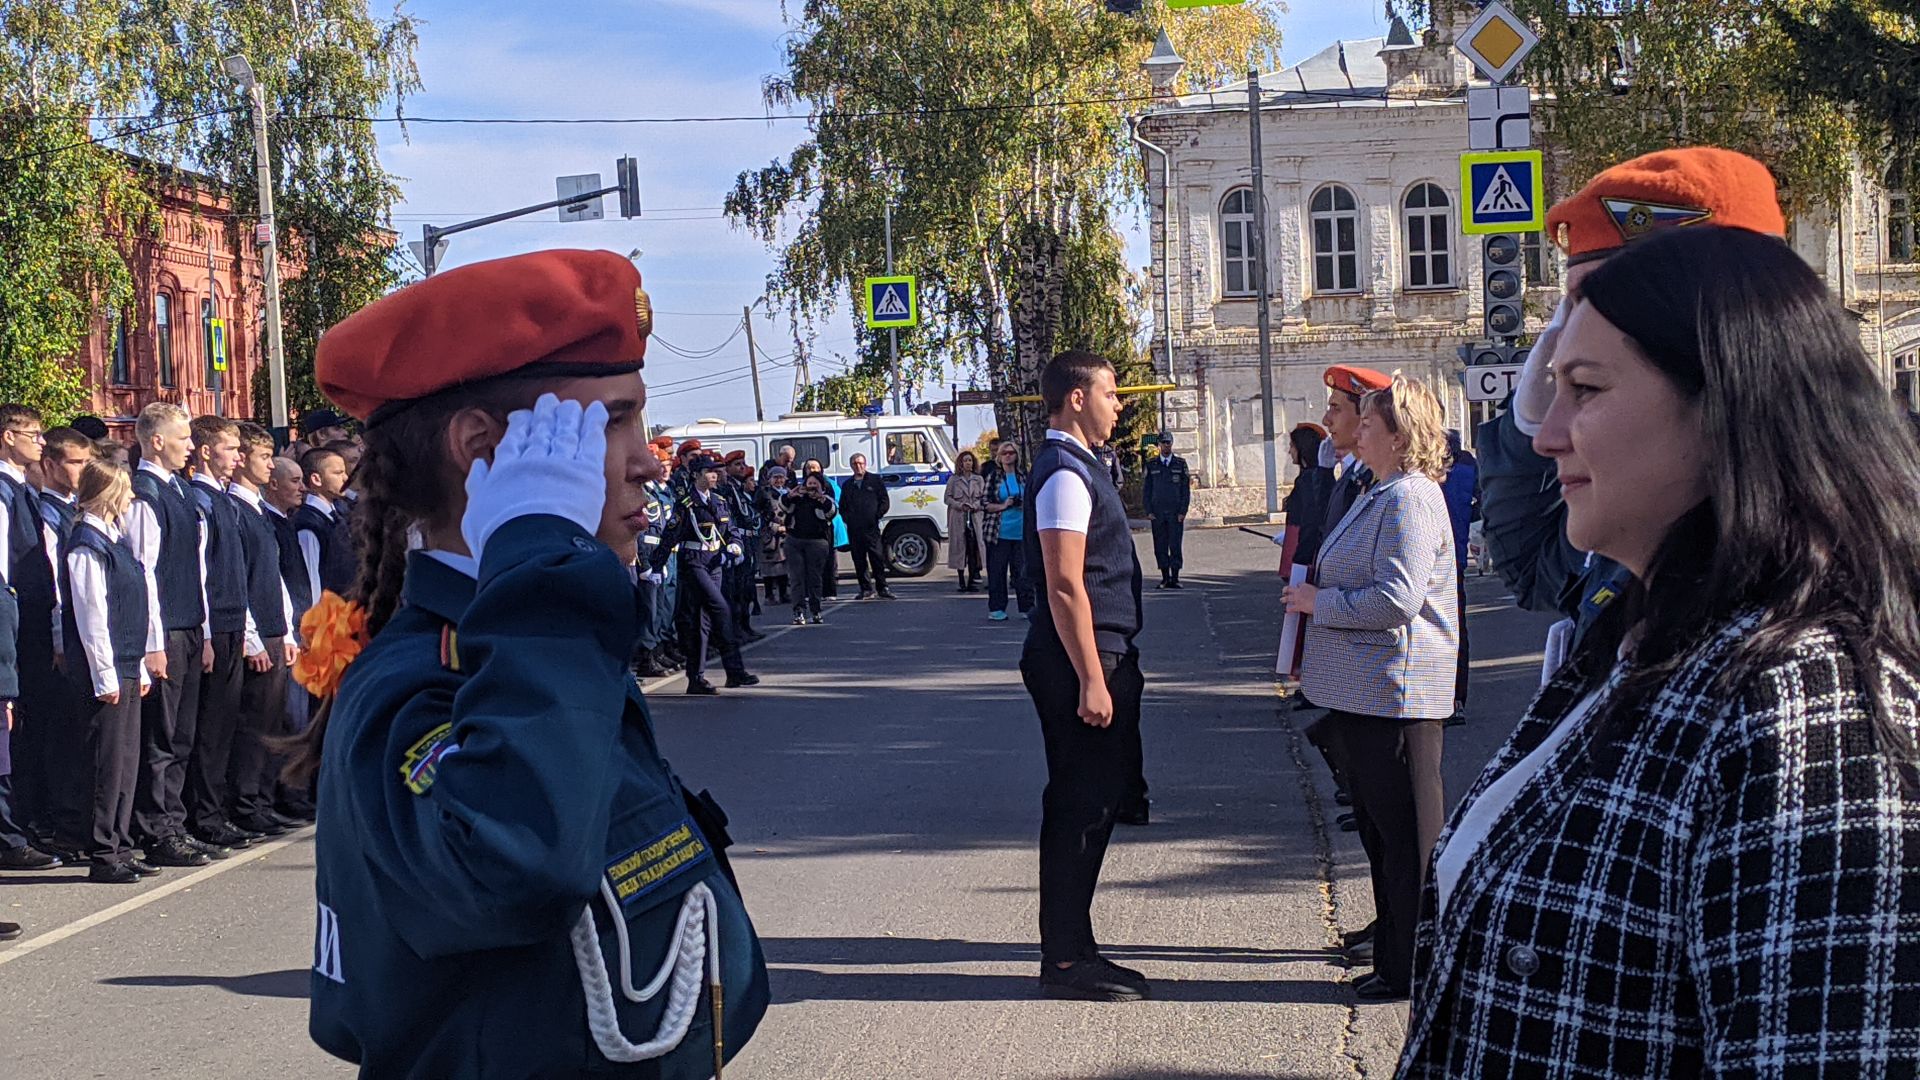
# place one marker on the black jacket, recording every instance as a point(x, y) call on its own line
point(807, 519)
point(1306, 507)
point(863, 501)
point(1168, 487)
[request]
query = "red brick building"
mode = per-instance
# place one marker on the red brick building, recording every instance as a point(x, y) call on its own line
point(159, 348)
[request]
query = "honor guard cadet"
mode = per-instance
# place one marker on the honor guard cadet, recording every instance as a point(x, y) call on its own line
point(702, 534)
point(1168, 491)
point(511, 880)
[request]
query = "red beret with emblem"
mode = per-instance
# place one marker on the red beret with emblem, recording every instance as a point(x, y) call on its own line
point(687, 447)
point(735, 455)
point(1357, 381)
point(568, 313)
point(1690, 186)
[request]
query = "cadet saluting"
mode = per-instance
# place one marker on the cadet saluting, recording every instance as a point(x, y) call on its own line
point(511, 881)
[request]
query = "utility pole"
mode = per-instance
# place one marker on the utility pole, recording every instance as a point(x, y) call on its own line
point(893, 335)
point(237, 68)
point(753, 363)
point(1265, 302)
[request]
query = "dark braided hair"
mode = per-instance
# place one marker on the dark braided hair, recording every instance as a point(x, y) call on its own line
point(403, 480)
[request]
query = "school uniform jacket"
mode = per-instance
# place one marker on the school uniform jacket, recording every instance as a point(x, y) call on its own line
point(1731, 891)
point(1385, 632)
point(490, 777)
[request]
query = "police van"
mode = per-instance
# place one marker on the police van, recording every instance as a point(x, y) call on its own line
point(913, 455)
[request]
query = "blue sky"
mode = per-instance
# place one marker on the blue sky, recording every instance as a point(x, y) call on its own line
point(633, 58)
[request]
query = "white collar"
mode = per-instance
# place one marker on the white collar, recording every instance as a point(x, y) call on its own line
point(319, 503)
point(272, 509)
point(1064, 436)
point(8, 468)
point(69, 499)
point(464, 564)
point(208, 482)
point(246, 494)
point(105, 526)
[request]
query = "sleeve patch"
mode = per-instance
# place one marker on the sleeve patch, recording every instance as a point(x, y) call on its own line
point(649, 867)
point(423, 758)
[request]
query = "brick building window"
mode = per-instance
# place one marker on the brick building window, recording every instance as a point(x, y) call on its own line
point(1538, 261)
point(1901, 227)
point(1237, 243)
point(1335, 219)
point(1427, 218)
point(120, 373)
point(163, 336)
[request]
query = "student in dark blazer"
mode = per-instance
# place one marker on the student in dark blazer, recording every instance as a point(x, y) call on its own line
point(269, 646)
point(1694, 856)
point(230, 626)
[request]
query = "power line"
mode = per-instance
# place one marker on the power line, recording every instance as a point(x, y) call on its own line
point(699, 354)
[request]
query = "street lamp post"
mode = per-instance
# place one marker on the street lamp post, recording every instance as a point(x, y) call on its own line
point(242, 72)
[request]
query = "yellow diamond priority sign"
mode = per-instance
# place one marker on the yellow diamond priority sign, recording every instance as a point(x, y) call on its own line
point(1497, 42)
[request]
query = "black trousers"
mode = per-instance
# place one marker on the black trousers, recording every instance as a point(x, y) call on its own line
point(704, 613)
point(869, 556)
point(40, 727)
point(1398, 801)
point(1168, 534)
point(111, 739)
point(737, 585)
point(1460, 675)
point(254, 769)
point(169, 722)
point(830, 573)
point(806, 560)
point(1007, 559)
point(68, 763)
point(1089, 772)
point(207, 791)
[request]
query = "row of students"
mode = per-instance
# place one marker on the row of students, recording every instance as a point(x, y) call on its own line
point(158, 624)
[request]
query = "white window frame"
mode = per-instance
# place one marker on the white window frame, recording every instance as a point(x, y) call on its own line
point(1237, 223)
point(1906, 378)
point(1421, 224)
point(1336, 258)
point(1539, 260)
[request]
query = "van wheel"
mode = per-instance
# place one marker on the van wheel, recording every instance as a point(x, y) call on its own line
point(911, 548)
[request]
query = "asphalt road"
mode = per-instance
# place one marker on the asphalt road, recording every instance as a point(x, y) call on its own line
point(884, 788)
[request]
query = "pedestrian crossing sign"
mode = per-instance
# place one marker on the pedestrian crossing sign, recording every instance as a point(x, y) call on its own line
point(1505, 192)
point(893, 302)
point(217, 343)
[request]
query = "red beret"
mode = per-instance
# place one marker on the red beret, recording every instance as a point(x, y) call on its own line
point(736, 455)
point(688, 447)
point(1357, 381)
point(664, 442)
point(1668, 188)
point(571, 313)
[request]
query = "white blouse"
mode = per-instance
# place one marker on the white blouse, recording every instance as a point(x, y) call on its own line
point(87, 579)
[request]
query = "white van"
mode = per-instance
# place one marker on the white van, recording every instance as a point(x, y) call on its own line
point(912, 454)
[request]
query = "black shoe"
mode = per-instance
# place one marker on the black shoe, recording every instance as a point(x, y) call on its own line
point(815, 619)
point(263, 824)
point(299, 815)
point(112, 874)
point(9, 931)
point(700, 687)
point(1165, 583)
point(216, 852)
point(742, 679)
point(1340, 796)
point(143, 867)
point(176, 851)
point(1347, 823)
point(1378, 990)
point(865, 594)
point(224, 834)
point(1174, 582)
point(648, 667)
point(1125, 972)
point(1458, 719)
point(1360, 954)
point(887, 594)
point(1357, 937)
point(1090, 980)
point(1132, 814)
point(28, 858)
point(799, 620)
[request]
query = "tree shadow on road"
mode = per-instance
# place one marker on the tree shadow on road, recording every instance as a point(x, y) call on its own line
point(291, 983)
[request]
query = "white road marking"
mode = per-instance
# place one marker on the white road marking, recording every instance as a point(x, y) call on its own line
point(134, 903)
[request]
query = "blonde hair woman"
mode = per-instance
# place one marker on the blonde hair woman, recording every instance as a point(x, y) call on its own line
point(1382, 643)
point(103, 597)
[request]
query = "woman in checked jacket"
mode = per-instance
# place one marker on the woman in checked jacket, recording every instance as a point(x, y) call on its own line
point(1699, 852)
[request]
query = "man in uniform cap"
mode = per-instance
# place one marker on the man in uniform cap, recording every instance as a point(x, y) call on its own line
point(1524, 517)
point(498, 829)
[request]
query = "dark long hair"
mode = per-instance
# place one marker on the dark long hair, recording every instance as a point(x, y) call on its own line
point(1813, 511)
point(403, 481)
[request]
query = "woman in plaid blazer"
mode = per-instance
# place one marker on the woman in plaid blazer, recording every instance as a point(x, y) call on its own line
point(1699, 853)
point(1380, 656)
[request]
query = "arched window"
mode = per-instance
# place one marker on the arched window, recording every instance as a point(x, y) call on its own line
point(1428, 223)
point(163, 336)
point(1335, 218)
point(1237, 243)
point(1903, 227)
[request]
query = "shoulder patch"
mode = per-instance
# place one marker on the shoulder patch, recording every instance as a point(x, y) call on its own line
point(417, 769)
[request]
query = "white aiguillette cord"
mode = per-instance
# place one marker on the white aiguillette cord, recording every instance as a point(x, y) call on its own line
point(695, 948)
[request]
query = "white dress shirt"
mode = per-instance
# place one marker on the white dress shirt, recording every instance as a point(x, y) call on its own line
point(310, 546)
point(251, 498)
point(49, 537)
point(52, 538)
point(143, 536)
point(1065, 501)
point(87, 579)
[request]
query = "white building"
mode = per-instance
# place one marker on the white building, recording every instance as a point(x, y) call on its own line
point(1361, 149)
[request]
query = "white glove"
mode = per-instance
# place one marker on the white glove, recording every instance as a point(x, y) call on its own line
point(1279, 539)
point(553, 460)
point(654, 577)
point(1328, 456)
point(1534, 396)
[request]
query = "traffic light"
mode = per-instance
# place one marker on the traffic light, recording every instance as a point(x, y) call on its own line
point(627, 177)
point(1503, 286)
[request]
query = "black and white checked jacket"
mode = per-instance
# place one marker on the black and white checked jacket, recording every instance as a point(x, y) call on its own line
point(1733, 892)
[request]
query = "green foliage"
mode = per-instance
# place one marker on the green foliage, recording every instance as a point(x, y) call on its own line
point(1631, 78)
point(997, 131)
point(87, 205)
point(1863, 55)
